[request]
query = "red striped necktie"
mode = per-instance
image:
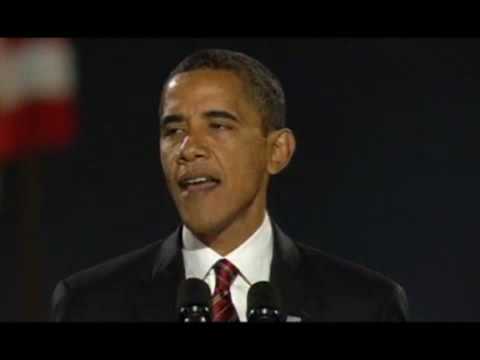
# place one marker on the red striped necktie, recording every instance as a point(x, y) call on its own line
point(222, 306)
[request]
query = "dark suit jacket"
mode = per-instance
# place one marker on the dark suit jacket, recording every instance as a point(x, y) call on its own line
point(142, 286)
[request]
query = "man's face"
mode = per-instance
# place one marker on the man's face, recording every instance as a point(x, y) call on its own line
point(213, 151)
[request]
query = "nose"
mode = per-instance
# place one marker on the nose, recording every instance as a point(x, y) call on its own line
point(192, 148)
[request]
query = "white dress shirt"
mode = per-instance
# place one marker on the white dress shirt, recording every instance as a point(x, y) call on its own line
point(252, 258)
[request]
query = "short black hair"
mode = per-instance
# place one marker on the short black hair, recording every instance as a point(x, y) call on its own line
point(265, 88)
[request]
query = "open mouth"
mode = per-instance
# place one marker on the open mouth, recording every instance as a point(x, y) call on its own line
point(198, 183)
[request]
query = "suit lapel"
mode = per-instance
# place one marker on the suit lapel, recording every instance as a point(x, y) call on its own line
point(155, 299)
point(289, 276)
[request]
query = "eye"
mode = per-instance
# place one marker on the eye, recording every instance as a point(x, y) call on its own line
point(171, 131)
point(218, 126)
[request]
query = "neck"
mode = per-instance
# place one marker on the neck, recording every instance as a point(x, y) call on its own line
point(235, 233)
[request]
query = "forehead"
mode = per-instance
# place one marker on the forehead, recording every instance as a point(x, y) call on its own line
point(205, 87)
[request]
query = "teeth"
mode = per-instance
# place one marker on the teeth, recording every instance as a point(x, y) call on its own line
point(196, 180)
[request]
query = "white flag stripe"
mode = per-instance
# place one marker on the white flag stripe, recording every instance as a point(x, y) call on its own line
point(35, 69)
point(12, 89)
point(46, 69)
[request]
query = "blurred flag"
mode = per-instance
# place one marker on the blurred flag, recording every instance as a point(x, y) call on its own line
point(37, 96)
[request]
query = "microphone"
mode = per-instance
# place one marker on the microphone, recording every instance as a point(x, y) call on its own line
point(194, 301)
point(263, 303)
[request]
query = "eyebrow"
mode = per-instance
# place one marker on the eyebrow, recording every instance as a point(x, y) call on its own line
point(221, 114)
point(167, 119)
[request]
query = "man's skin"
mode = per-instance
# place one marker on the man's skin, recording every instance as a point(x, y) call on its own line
point(211, 127)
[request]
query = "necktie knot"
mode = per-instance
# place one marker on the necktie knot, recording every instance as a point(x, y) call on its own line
point(225, 273)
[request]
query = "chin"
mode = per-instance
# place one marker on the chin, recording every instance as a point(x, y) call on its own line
point(202, 225)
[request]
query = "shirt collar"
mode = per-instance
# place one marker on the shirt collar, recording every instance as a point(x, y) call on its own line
point(252, 258)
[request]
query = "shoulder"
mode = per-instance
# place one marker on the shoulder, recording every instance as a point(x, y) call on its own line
point(330, 266)
point(118, 269)
point(106, 283)
point(341, 281)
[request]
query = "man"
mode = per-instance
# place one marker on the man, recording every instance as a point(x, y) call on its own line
point(223, 135)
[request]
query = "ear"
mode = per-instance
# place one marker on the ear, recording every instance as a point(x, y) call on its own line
point(281, 149)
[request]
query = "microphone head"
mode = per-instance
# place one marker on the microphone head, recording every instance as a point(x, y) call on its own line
point(263, 303)
point(194, 301)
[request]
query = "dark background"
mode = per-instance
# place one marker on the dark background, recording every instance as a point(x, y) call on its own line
point(386, 171)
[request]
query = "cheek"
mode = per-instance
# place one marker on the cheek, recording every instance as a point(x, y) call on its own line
point(167, 162)
point(247, 167)
point(163, 162)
